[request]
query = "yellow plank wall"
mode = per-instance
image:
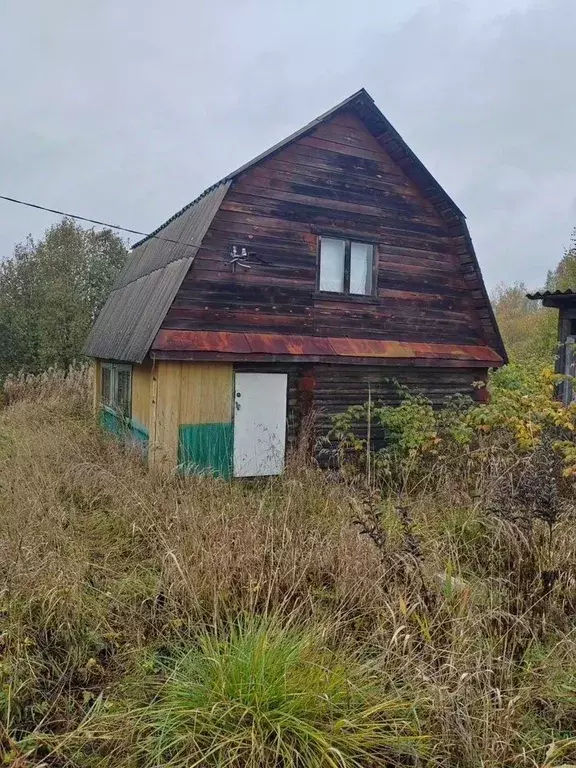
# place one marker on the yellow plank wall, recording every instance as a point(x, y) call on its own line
point(185, 393)
point(206, 393)
point(141, 380)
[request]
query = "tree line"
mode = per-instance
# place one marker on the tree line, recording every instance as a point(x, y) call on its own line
point(529, 330)
point(52, 289)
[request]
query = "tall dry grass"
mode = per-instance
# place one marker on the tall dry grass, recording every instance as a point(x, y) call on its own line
point(108, 570)
point(70, 388)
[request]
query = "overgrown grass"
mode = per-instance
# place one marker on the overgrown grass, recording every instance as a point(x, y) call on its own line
point(152, 620)
point(265, 692)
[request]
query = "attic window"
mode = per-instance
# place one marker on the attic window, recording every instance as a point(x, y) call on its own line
point(346, 266)
point(116, 388)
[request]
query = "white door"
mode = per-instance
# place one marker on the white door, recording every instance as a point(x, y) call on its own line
point(259, 424)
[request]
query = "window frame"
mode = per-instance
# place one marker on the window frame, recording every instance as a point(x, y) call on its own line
point(113, 406)
point(347, 267)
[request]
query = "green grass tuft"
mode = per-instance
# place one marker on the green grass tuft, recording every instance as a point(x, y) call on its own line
point(272, 695)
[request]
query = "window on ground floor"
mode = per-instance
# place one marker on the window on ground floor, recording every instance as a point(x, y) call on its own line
point(116, 388)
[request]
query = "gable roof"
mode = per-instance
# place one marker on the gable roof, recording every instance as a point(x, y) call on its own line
point(144, 291)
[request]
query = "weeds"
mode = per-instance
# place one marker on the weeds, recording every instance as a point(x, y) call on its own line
point(140, 616)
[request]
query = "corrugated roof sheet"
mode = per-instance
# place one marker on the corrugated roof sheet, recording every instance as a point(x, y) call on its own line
point(550, 294)
point(316, 346)
point(145, 289)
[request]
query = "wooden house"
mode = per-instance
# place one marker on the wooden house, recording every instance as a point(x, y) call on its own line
point(565, 303)
point(329, 264)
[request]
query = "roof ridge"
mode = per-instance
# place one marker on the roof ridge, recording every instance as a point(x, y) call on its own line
point(180, 212)
point(361, 92)
point(147, 274)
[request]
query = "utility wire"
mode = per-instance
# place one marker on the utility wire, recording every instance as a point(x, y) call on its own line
point(101, 223)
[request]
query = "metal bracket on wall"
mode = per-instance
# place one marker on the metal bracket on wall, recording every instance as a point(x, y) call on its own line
point(241, 259)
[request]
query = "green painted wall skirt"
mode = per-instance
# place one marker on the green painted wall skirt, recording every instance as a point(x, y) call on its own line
point(133, 432)
point(206, 448)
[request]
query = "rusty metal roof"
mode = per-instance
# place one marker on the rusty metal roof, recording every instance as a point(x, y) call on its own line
point(145, 289)
point(246, 344)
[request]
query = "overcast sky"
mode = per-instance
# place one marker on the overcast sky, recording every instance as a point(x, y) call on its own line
point(124, 110)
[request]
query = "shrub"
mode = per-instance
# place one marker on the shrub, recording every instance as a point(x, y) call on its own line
point(265, 694)
point(423, 442)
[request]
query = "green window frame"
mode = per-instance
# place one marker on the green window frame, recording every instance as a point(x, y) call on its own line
point(116, 388)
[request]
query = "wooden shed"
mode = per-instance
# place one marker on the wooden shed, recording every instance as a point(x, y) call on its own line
point(565, 303)
point(327, 265)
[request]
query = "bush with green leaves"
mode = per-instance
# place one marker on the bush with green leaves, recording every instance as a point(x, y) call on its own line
point(413, 432)
point(419, 438)
point(51, 291)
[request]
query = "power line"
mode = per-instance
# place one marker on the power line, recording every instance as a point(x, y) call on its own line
point(101, 223)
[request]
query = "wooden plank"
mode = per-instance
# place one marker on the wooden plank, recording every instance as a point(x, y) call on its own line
point(166, 408)
point(358, 140)
point(240, 292)
point(385, 362)
point(343, 220)
point(153, 454)
point(353, 167)
point(343, 149)
point(275, 226)
point(389, 216)
point(339, 188)
point(240, 321)
point(141, 388)
point(421, 282)
point(206, 393)
point(304, 167)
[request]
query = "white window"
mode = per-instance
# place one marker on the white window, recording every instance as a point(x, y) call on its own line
point(346, 266)
point(332, 261)
point(116, 388)
point(361, 268)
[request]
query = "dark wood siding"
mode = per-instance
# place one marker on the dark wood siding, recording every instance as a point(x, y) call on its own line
point(322, 391)
point(336, 388)
point(338, 181)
